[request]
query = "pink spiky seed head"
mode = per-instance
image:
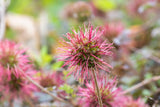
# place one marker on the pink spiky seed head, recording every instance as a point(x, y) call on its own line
point(109, 94)
point(51, 79)
point(84, 50)
point(13, 86)
point(12, 57)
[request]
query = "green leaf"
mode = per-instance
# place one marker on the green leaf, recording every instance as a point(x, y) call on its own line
point(48, 2)
point(57, 65)
point(129, 80)
point(65, 73)
point(148, 76)
point(67, 89)
point(21, 6)
point(10, 34)
point(146, 92)
point(158, 82)
point(104, 5)
point(45, 57)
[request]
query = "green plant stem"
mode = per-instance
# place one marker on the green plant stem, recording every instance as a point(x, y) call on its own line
point(97, 88)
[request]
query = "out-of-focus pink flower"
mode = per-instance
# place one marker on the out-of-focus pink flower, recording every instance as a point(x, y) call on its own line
point(134, 7)
point(12, 58)
point(49, 80)
point(12, 86)
point(83, 51)
point(13, 83)
point(128, 101)
point(112, 30)
point(109, 94)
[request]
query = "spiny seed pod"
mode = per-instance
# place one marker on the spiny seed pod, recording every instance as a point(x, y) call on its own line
point(108, 90)
point(50, 80)
point(13, 61)
point(83, 51)
point(16, 86)
point(12, 58)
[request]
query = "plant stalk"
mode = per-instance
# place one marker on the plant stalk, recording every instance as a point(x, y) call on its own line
point(43, 89)
point(97, 88)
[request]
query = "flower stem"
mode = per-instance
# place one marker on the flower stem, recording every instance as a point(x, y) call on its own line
point(97, 88)
point(10, 103)
point(139, 85)
point(43, 89)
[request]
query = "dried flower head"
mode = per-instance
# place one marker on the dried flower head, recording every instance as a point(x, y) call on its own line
point(49, 80)
point(84, 51)
point(12, 57)
point(112, 30)
point(109, 94)
point(134, 7)
point(81, 11)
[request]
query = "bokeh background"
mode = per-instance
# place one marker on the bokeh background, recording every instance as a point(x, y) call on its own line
point(133, 26)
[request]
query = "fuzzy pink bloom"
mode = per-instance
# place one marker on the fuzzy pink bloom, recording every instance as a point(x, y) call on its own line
point(18, 86)
point(12, 58)
point(83, 51)
point(133, 7)
point(13, 83)
point(109, 94)
point(53, 79)
point(112, 30)
point(128, 101)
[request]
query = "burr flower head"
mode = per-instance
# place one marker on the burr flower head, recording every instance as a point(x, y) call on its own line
point(130, 102)
point(112, 30)
point(83, 51)
point(13, 83)
point(108, 90)
point(15, 86)
point(81, 11)
point(12, 57)
point(49, 80)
